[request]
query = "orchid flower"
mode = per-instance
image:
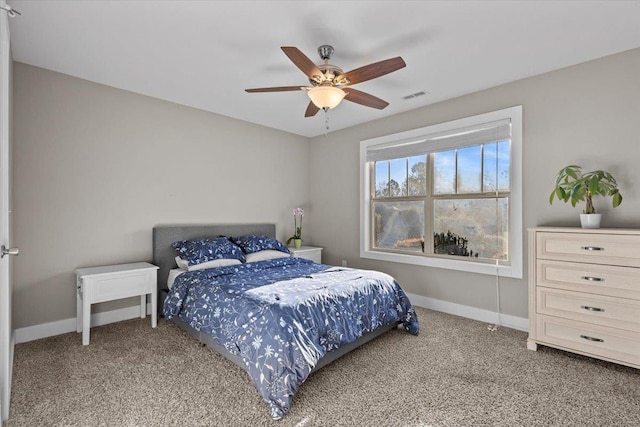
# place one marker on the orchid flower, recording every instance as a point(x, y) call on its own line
point(297, 212)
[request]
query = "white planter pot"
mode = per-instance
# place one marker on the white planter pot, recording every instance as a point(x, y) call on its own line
point(590, 220)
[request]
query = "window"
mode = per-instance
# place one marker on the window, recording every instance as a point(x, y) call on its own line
point(448, 195)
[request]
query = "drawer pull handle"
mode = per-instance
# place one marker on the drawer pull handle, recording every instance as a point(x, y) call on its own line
point(588, 338)
point(592, 248)
point(593, 279)
point(586, 307)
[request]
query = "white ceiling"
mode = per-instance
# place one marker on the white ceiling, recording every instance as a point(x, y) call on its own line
point(204, 54)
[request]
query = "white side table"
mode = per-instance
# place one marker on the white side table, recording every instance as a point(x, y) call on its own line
point(312, 253)
point(111, 282)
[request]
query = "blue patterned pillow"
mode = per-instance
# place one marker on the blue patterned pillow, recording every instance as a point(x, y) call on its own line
point(257, 242)
point(204, 250)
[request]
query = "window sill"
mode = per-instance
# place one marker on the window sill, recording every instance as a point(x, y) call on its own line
point(450, 264)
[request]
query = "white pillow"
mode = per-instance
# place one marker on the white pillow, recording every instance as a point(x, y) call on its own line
point(209, 264)
point(182, 264)
point(265, 255)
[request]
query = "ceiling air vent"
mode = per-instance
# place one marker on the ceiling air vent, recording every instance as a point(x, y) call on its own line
point(415, 95)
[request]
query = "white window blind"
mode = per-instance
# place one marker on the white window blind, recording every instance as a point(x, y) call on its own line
point(473, 135)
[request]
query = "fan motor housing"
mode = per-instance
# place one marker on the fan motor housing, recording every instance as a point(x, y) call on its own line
point(329, 71)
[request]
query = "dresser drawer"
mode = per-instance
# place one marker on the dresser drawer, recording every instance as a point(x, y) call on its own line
point(597, 309)
point(614, 281)
point(612, 249)
point(123, 285)
point(598, 341)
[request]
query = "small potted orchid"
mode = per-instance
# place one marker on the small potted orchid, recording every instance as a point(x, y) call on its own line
point(297, 236)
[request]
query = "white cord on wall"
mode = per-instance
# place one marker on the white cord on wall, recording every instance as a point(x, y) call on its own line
point(494, 328)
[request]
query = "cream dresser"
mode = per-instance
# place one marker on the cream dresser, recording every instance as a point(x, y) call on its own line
point(584, 292)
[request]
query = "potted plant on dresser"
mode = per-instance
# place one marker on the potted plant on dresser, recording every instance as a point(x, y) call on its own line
point(574, 186)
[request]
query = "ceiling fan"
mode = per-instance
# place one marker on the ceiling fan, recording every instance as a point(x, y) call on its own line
point(330, 84)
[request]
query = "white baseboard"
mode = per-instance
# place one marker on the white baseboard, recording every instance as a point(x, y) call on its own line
point(35, 332)
point(31, 333)
point(513, 322)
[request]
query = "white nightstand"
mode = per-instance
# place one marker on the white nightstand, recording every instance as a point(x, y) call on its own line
point(111, 282)
point(308, 252)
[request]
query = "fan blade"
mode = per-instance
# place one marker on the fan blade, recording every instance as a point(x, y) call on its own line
point(372, 71)
point(365, 99)
point(312, 110)
point(274, 89)
point(301, 61)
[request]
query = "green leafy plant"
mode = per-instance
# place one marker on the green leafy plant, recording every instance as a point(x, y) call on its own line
point(574, 186)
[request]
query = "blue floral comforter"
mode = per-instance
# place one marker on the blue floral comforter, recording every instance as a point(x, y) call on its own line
point(281, 316)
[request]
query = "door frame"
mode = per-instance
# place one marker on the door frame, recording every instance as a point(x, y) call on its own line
point(7, 339)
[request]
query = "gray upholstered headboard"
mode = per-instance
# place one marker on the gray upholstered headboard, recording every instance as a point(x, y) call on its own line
point(164, 235)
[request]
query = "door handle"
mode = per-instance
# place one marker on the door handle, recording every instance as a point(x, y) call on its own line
point(8, 251)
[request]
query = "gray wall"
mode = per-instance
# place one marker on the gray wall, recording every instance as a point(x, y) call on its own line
point(586, 114)
point(95, 168)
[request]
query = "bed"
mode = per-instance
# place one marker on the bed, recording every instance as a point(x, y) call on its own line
point(279, 319)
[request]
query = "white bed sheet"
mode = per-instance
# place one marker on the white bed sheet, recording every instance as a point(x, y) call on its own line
point(172, 276)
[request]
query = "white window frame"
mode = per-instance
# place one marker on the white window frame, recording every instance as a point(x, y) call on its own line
point(514, 269)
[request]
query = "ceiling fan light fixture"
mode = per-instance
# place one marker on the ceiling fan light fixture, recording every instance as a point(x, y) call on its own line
point(327, 81)
point(326, 96)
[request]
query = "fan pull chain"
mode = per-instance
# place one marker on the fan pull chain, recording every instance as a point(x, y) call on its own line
point(326, 121)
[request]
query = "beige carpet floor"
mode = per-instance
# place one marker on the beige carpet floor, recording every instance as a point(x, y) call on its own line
point(456, 373)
